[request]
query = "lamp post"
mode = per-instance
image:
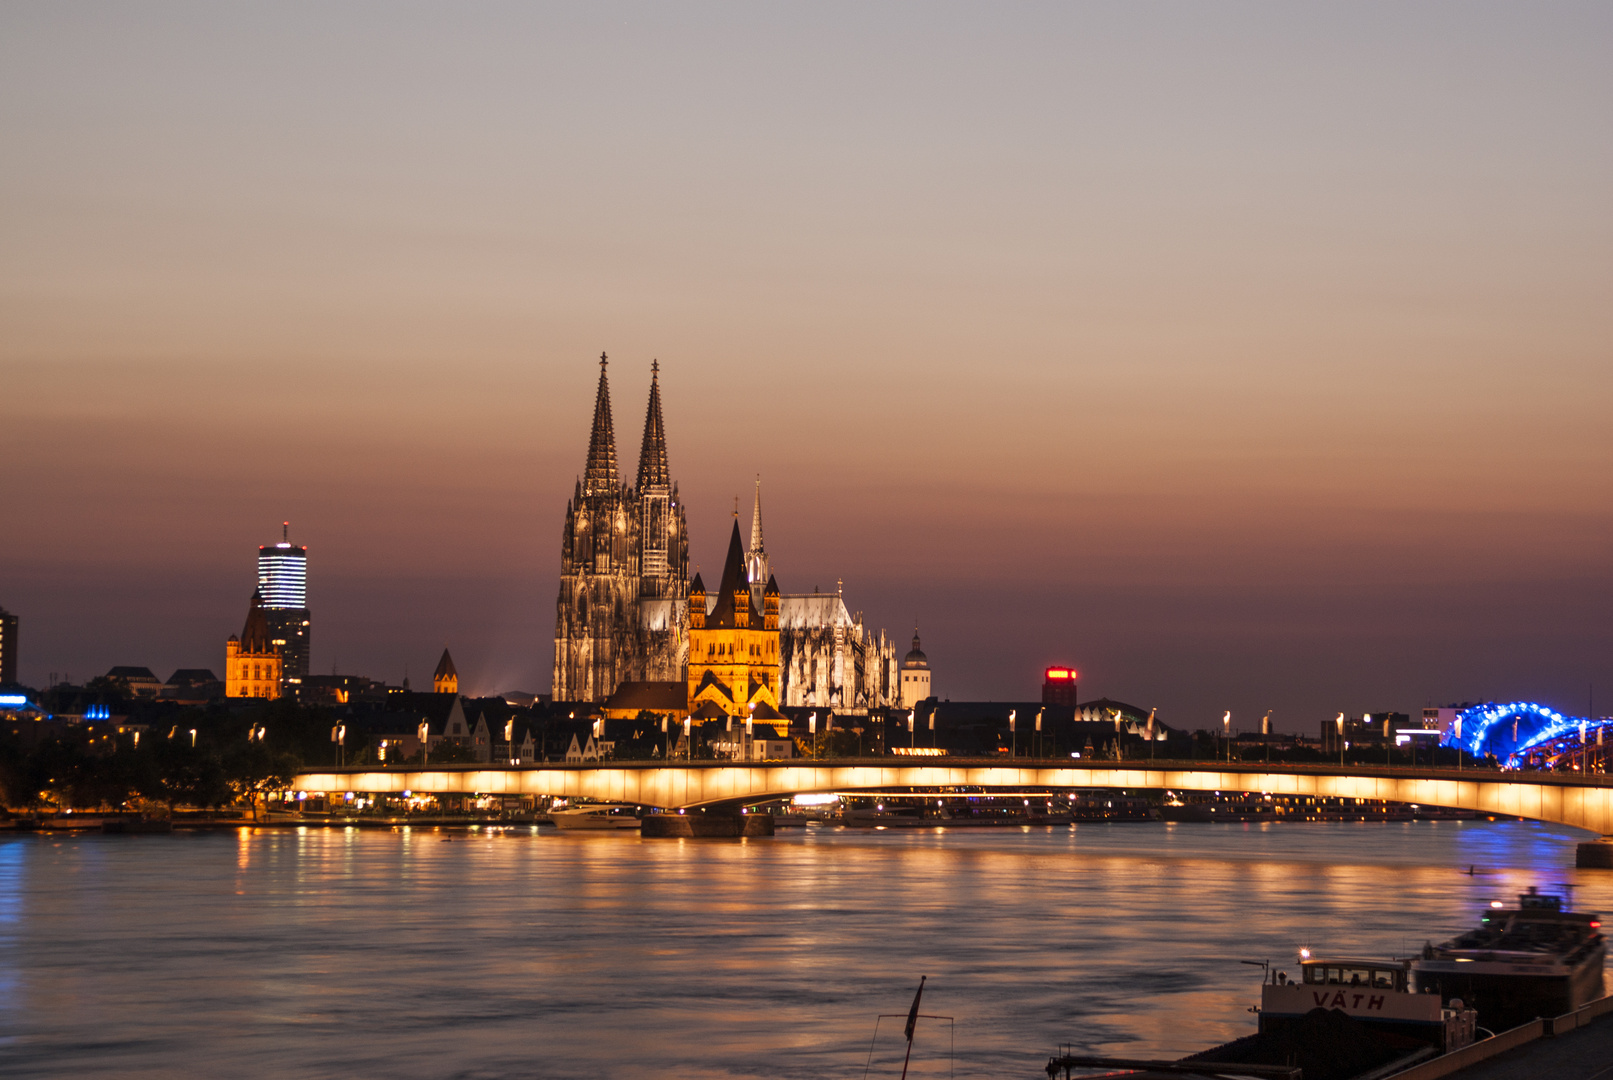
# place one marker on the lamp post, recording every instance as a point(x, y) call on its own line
point(912, 732)
point(1340, 723)
point(1039, 713)
point(425, 742)
point(1013, 744)
point(688, 738)
point(812, 730)
point(668, 738)
point(1226, 727)
point(1458, 743)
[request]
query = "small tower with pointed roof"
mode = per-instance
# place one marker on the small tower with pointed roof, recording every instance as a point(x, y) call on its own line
point(757, 569)
point(915, 675)
point(252, 662)
point(446, 678)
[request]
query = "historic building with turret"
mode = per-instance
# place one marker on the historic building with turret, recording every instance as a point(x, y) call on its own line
point(624, 566)
point(252, 662)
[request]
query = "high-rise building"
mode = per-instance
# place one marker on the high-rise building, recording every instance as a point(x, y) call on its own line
point(283, 584)
point(8, 647)
point(1060, 686)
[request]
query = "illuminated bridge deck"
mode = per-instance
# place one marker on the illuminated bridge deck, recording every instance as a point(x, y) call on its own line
point(1584, 802)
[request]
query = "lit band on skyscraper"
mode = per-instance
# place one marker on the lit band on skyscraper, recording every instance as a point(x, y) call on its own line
point(283, 582)
point(283, 576)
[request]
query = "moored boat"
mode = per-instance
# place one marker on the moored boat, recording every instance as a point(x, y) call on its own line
point(1376, 993)
point(1537, 959)
point(597, 816)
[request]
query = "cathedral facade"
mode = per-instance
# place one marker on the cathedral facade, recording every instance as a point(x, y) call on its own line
point(622, 612)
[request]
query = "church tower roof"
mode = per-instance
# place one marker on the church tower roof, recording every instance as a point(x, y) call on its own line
point(652, 466)
point(756, 546)
point(733, 582)
point(255, 637)
point(445, 667)
point(600, 476)
point(916, 658)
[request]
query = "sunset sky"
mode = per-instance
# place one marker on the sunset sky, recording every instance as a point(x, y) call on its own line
point(1245, 356)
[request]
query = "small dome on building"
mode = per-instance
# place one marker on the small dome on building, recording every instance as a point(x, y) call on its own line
point(916, 658)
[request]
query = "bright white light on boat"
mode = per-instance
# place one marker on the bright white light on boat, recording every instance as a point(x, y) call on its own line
point(1495, 903)
point(814, 800)
point(1304, 954)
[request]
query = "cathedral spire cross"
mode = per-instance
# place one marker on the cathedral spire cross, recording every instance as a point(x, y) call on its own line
point(756, 520)
point(653, 472)
point(600, 475)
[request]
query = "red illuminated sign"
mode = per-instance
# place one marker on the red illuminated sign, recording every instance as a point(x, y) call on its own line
point(1054, 673)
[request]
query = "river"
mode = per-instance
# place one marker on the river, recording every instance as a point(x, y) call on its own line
point(529, 953)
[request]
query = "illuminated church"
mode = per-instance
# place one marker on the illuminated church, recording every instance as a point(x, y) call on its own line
point(627, 614)
point(624, 566)
point(828, 659)
point(252, 662)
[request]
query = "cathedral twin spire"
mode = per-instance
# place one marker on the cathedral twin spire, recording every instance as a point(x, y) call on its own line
point(601, 476)
point(652, 467)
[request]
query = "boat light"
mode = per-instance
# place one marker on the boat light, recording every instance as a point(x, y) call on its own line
point(1304, 954)
point(1495, 903)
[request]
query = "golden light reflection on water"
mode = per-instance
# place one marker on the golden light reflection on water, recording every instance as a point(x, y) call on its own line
point(516, 953)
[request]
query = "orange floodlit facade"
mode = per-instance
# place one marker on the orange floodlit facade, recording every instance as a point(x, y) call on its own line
point(252, 663)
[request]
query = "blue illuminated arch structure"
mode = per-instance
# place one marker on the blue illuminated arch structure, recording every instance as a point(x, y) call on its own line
point(1510, 731)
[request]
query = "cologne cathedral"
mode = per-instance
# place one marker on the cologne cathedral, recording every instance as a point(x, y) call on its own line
point(623, 612)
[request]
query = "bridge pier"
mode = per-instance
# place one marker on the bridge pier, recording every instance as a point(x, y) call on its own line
point(712, 825)
point(1595, 854)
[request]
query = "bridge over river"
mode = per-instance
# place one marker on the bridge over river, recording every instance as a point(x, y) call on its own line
point(1585, 802)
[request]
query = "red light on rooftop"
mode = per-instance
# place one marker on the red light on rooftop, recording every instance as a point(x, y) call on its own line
point(1060, 673)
